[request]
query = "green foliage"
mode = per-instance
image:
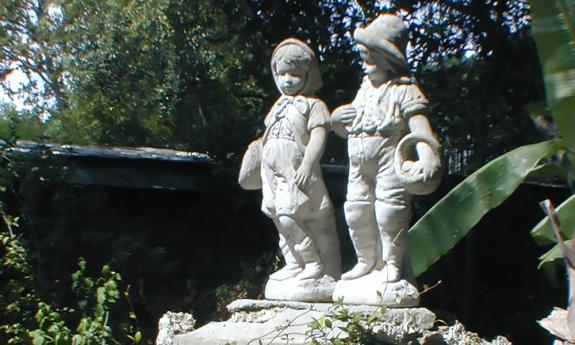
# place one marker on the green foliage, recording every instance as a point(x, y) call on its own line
point(455, 214)
point(251, 284)
point(491, 97)
point(134, 73)
point(17, 293)
point(472, 60)
point(19, 124)
point(553, 253)
point(33, 308)
point(50, 324)
point(95, 298)
point(155, 73)
point(554, 32)
point(359, 327)
point(543, 232)
point(31, 43)
point(195, 75)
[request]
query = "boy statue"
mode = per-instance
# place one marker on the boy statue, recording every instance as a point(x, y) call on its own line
point(387, 112)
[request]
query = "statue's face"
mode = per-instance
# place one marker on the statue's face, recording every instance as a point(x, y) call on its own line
point(291, 78)
point(374, 65)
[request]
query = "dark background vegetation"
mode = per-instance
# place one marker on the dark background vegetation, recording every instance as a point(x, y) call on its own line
point(194, 75)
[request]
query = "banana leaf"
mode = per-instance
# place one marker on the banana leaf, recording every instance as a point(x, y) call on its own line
point(554, 32)
point(553, 254)
point(455, 214)
point(542, 232)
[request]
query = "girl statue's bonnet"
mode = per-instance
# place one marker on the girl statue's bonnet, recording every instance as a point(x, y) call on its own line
point(294, 51)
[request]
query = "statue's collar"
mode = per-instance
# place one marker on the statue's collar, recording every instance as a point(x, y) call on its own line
point(395, 81)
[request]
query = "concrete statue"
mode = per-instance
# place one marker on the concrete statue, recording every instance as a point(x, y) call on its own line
point(284, 163)
point(393, 154)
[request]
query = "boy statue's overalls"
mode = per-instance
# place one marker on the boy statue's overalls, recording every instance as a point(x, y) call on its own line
point(387, 107)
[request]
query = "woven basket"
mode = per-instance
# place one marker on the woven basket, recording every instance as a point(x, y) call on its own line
point(415, 184)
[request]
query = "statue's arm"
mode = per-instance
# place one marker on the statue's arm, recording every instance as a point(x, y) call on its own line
point(315, 147)
point(428, 161)
point(341, 117)
point(419, 124)
point(312, 155)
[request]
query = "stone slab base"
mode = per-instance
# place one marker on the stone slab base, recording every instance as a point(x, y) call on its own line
point(277, 322)
point(172, 324)
point(308, 290)
point(372, 290)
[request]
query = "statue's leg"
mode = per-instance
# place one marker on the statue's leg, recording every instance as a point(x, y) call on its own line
point(359, 207)
point(303, 246)
point(323, 233)
point(360, 217)
point(293, 262)
point(393, 222)
point(393, 214)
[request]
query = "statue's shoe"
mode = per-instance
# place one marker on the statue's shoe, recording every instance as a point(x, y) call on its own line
point(359, 270)
point(287, 272)
point(311, 270)
point(390, 273)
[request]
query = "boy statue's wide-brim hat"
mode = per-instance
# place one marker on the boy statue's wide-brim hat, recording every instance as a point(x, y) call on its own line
point(386, 34)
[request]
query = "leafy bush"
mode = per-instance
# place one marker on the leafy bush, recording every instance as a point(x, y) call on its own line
point(359, 327)
point(29, 319)
point(32, 312)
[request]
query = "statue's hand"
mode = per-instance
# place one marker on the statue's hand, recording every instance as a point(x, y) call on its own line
point(343, 115)
point(302, 176)
point(425, 168)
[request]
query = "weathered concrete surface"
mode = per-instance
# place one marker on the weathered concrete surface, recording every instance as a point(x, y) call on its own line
point(312, 290)
point(457, 335)
point(172, 324)
point(276, 322)
point(368, 290)
point(282, 323)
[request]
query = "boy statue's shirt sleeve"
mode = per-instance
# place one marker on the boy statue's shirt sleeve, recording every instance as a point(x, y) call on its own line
point(319, 115)
point(412, 101)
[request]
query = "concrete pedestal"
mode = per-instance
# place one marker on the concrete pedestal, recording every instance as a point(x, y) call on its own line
point(371, 289)
point(277, 322)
